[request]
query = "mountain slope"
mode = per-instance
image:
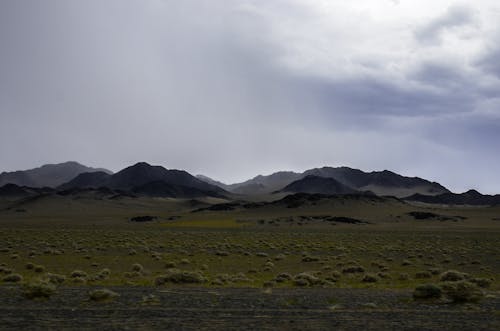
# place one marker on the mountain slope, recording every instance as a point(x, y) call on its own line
point(318, 185)
point(211, 181)
point(163, 189)
point(379, 182)
point(143, 173)
point(143, 178)
point(50, 175)
point(264, 184)
point(471, 198)
point(86, 180)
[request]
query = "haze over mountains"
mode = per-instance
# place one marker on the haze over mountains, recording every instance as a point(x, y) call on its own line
point(143, 179)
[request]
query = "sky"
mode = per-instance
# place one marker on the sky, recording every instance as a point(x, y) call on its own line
point(231, 89)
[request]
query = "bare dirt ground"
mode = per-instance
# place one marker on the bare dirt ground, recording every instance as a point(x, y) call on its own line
point(146, 308)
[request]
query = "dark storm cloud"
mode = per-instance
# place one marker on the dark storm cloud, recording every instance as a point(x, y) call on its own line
point(490, 62)
point(236, 88)
point(455, 16)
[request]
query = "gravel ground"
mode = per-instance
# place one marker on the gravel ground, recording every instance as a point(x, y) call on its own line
point(242, 309)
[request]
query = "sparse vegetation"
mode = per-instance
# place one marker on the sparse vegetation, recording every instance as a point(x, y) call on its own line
point(102, 295)
point(39, 289)
point(427, 291)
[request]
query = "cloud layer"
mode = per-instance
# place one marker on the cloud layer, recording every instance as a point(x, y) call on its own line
point(236, 88)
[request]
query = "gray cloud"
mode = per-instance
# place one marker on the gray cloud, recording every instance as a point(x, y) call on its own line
point(456, 16)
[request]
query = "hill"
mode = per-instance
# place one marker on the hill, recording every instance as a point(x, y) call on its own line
point(382, 183)
point(471, 198)
point(49, 175)
point(143, 178)
point(321, 185)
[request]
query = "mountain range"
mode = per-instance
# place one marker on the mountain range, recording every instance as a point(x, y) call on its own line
point(143, 179)
point(49, 175)
point(383, 183)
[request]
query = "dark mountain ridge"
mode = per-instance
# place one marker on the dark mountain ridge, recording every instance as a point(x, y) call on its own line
point(383, 183)
point(145, 179)
point(49, 175)
point(470, 198)
point(318, 185)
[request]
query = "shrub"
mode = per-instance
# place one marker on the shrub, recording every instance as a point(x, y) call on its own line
point(79, 274)
point(39, 290)
point(170, 264)
point(102, 295)
point(353, 269)
point(462, 291)
point(55, 278)
point(283, 277)
point(310, 259)
point(369, 278)
point(406, 263)
point(306, 279)
point(279, 257)
point(481, 282)
point(384, 275)
point(423, 274)
point(79, 280)
point(30, 266)
point(404, 276)
point(137, 267)
point(453, 276)
point(13, 278)
point(427, 291)
point(261, 254)
point(39, 268)
point(177, 276)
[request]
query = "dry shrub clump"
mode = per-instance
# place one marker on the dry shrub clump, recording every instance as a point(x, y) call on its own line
point(427, 291)
point(137, 267)
point(352, 269)
point(283, 277)
point(462, 291)
point(481, 282)
point(39, 268)
point(39, 289)
point(423, 274)
point(13, 278)
point(102, 295)
point(54, 278)
point(453, 276)
point(79, 274)
point(306, 279)
point(178, 276)
point(369, 278)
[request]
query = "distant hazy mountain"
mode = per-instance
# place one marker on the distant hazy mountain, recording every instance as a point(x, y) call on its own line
point(259, 184)
point(471, 197)
point(213, 182)
point(143, 178)
point(315, 184)
point(379, 182)
point(50, 175)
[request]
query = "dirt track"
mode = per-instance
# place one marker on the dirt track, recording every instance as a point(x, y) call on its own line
point(242, 309)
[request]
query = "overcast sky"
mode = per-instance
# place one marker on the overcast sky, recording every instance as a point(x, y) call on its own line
point(233, 88)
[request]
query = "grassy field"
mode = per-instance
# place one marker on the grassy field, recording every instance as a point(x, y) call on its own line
point(92, 242)
point(70, 249)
